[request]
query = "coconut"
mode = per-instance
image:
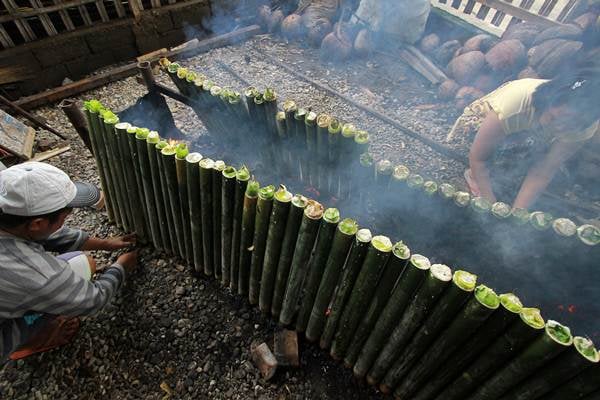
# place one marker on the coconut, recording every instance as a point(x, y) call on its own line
point(571, 31)
point(464, 67)
point(275, 21)
point(336, 47)
point(466, 95)
point(551, 56)
point(447, 90)
point(525, 32)
point(317, 32)
point(363, 44)
point(429, 43)
point(507, 57)
point(445, 52)
point(263, 16)
point(482, 42)
point(528, 72)
point(485, 82)
point(291, 27)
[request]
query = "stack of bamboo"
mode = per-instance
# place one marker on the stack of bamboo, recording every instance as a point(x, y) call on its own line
point(418, 330)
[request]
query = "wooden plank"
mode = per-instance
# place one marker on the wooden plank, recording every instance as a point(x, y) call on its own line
point(65, 17)
point(15, 136)
point(155, 3)
point(470, 19)
point(16, 73)
point(85, 15)
point(102, 11)
point(136, 8)
point(557, 9)
point(438, 73)
point(50, 153)
point(71, 89)
point(5, 38)
point(21, 24)
point(44, 18)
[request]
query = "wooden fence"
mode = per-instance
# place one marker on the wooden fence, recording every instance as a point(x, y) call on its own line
point(494, 16)
point(23, 21)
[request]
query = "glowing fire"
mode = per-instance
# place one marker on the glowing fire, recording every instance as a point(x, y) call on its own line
point(172, 142)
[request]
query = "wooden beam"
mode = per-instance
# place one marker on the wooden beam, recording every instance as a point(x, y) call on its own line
point(50, 153)
point(115, 74)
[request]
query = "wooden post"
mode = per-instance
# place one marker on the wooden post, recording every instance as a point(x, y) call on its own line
point(73, 112)
point(146, 69)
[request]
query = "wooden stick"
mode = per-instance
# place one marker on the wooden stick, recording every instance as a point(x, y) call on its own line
point(50, 153)
point(30, 117)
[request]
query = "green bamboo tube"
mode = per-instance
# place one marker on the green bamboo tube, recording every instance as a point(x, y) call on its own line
point(151, 215)
point(479, 308)
point(573, 361)
point(508, 313)
point(316, 269)
point(364, 174)
point(342, 241)
point(589, 234)
point(180, 168)
point(151, 142)
point(414, 315)
point(170, 173)
point(540, 220)
point(133, 151)
point(192, 175)
point(449, 304)
point(356, 257)
point(281, 125)
point(285, 153)
point(290, 108)
point(292, 227)
point(376, 259)
point(139, 220)
point(264, 206)
point(227, 211)
point(276, 231)
point(217, 183)
point(393, 269)
point(207, 196)
point(323, 121)
point(241, 183)
point(347, 158)
point(529, 326)
point(92, 108)
point(107, 123)
point(310, 123)
point(555, 340)
point(247, 235)
point(307, 235)
point(383, 174)
point(333, 156)
point(249, 94)
point(413, 275)
point(164, 195)
point(583, 386)
point(270, 98)
point(298, 142)
point(519, 216)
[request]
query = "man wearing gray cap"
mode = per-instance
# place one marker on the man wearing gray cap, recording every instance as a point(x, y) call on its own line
point(41, 294)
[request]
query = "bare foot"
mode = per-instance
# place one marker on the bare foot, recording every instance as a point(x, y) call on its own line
point(473, 188)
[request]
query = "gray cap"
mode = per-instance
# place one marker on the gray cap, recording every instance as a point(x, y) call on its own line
point(35, 188)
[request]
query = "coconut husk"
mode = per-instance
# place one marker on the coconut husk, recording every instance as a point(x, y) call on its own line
point(482, 42)
point(275, 21)
point(263, 16)
point(486, 82)
point(525, 32)
point(571, 32)
point(445, 52)
point(466, 95)
point(528, 72)
point(318, 32)
point(464, 67)
point(315, 11)
point(507, 57)
point(336, 46)
point(292, 28)
point(553, 56)
point(363, 44)
point(448, 89)
point(429, 43)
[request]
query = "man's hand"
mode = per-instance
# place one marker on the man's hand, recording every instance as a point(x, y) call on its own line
point(116, 243)
point(128, 261)
point(121, 242)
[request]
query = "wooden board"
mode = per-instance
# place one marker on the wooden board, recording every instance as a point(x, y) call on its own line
point(16, 137)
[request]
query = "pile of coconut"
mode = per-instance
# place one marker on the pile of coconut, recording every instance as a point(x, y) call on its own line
point(482, 63)
point(320, 23)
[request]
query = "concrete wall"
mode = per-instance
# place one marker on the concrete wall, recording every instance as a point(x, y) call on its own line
point(47, 62)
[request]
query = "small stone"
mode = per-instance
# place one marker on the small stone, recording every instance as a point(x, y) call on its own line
point(179, 291)
point(212, 382)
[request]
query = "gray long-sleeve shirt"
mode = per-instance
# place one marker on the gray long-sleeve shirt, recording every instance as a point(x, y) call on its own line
point(33, 280)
